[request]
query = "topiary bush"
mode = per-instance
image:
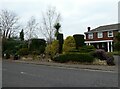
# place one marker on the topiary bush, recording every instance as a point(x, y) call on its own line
point(37, 45)
point(83, 57)
point(79, 40)
point(60, 39)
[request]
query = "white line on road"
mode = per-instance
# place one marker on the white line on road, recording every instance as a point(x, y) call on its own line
point(23, 73)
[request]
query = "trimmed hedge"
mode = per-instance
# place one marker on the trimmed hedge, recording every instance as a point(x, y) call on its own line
point(79, 40)
point(86, 49)
point(83, 57)
point(37, 45)
point(23, 51)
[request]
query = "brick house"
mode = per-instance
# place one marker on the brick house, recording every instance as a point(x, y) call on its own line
point(102, 37)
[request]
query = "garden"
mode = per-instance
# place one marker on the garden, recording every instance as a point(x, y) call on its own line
point(53, 48)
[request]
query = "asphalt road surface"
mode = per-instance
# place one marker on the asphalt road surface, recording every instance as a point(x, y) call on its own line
point(31, 75)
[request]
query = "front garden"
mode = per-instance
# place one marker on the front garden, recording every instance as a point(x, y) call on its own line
point(70, 50)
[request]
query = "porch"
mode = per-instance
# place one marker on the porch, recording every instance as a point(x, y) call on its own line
point(107, 45)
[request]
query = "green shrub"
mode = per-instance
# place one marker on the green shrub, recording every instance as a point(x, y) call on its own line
point(62, 58)
point(23, 51)
point(117, 46)
point(10, 45)
point(53, 49)
point(86, 49)
point(81, 57)
point(38, 45)
point(69, 44)
point(117, 42)
point(6, 54)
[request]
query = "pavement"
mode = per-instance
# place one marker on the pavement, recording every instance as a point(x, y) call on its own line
point(80, 66)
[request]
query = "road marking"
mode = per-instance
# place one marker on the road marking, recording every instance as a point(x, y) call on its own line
point(23, 73)
point(34, 75)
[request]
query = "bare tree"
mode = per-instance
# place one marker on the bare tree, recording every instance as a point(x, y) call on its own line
point(8, 23)
point(31, 28)
point(50, 18)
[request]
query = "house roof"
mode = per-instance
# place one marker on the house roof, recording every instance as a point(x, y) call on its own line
point(106, 28)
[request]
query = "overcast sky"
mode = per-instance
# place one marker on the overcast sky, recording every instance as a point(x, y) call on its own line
point(77, 15)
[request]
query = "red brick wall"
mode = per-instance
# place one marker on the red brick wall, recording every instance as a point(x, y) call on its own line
point(105, 36)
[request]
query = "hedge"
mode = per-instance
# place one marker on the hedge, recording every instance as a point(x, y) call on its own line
point(86, 49)
point(23, 51)
point(38, 45)
point(79, 40)
point(81, 57)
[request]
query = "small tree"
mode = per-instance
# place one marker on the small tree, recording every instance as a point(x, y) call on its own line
point(69, 44)
point(57, 27)
point(52, 49)
point(22, 35)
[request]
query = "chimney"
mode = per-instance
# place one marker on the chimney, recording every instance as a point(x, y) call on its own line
point(89, 29)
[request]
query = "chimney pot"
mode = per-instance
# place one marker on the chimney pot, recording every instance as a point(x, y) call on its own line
point(89, 29)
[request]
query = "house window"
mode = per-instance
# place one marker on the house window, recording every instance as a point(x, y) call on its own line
point(100, 35)
point(110, 34)
point(90, 35)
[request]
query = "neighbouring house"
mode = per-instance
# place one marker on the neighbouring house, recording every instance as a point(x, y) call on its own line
point(102, 37)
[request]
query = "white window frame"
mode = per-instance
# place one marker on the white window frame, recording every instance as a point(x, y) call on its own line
point(100, 34)
point(109, 34)
point(90, 36)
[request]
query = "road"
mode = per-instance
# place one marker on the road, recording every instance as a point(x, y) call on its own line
point(31, 75)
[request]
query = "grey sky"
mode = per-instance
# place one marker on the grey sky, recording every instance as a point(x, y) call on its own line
point(77, 15)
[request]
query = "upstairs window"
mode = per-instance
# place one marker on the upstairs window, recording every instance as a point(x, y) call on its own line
point(100, 35)
point(90, 36)
point(110, 34)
